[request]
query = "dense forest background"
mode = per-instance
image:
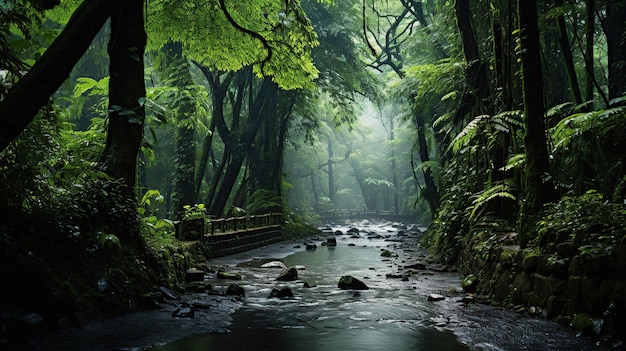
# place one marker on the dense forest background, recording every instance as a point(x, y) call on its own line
point(121, 118)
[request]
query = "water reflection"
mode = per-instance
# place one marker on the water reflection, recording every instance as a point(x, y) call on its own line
point(258, 337)
point(392, 315)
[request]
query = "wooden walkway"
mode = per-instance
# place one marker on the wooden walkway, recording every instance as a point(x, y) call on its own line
point(227, 236)
point(222, 226)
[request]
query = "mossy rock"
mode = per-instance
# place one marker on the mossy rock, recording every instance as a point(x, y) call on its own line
point(582, 323)
point(386, 253)
point(469, 283)
point(228, 275)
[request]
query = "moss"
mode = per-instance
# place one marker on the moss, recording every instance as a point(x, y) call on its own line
point(386, 253)
point(582, 323)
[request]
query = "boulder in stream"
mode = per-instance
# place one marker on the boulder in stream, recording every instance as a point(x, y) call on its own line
point(348, 282)
point(274, 264)
point(194, 275)
point(469, 283)
point(331, 242)
point(280, 293)
point(235, 290)
point(228, 275)
point(288, 275)
point(436, 297)
point(184, 311)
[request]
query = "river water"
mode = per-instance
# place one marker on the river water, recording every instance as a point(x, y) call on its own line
point(394, 314)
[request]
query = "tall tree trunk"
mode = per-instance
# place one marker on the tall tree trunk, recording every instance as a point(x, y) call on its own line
point(568, 59)
point(33, 91)
point(331, 175)
point(616, 43)
point(590, 21)
point(394, 168)
point(477, 89)
point(430, 193)
point(177, 74)
point(126, 91)
point(204, 159)
point(241, 142)
point(539, 189)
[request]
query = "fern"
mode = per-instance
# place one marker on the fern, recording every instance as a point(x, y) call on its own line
point(600, 122)
point(263, 200)
point(467, 134)
point(516, 161)
point(499, 191)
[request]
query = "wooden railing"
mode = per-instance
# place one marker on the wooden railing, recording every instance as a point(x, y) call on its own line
point(240, 224)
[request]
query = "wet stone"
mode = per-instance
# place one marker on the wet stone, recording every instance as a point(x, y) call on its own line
point(194, 275)
point(184, 311)
point(274, 264)
point(348, 282)
point(235, 290)
point(290, 274)
point(228, 275)
point(281, 293)
point(436, 297)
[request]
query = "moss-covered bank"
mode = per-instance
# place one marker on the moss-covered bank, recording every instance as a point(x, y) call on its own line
point(573, 268)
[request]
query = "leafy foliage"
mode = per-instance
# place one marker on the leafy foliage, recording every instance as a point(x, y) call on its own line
point(273, 36)
point(264, 201)
point(593, 225)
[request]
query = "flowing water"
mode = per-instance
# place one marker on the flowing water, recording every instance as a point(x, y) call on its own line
point(394, 314)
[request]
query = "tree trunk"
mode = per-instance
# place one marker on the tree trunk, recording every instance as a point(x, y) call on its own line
point(568, 59)
point(616, 43)
point(184, 186)
point(589, 30)
point(331, 175)
point(126, 91)
point(430, 193)
point(539, 189)
point(204, 159)
point(476, 74)
point(240, 144)
point(33, 91)
point(394, 168)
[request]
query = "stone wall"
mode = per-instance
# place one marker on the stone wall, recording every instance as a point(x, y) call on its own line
point(558, 285)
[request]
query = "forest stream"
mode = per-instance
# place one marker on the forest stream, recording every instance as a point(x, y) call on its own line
point(394, 314)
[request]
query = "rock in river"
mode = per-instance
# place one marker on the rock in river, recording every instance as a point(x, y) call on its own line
point(228, 275)
point(436, 297)
point(287, 275)
point(348, 282)
point(194, 275)
point(236, 290)
point(184, 311)
point(274, 264)
point(279, 293)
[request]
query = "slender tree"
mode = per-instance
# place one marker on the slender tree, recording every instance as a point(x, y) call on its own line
point(538, 187)
point(615, 29)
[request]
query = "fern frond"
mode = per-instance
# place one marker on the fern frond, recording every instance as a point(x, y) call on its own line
point(499, 191)
point(516, 161)
point(561, 109)
point(467, 134)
